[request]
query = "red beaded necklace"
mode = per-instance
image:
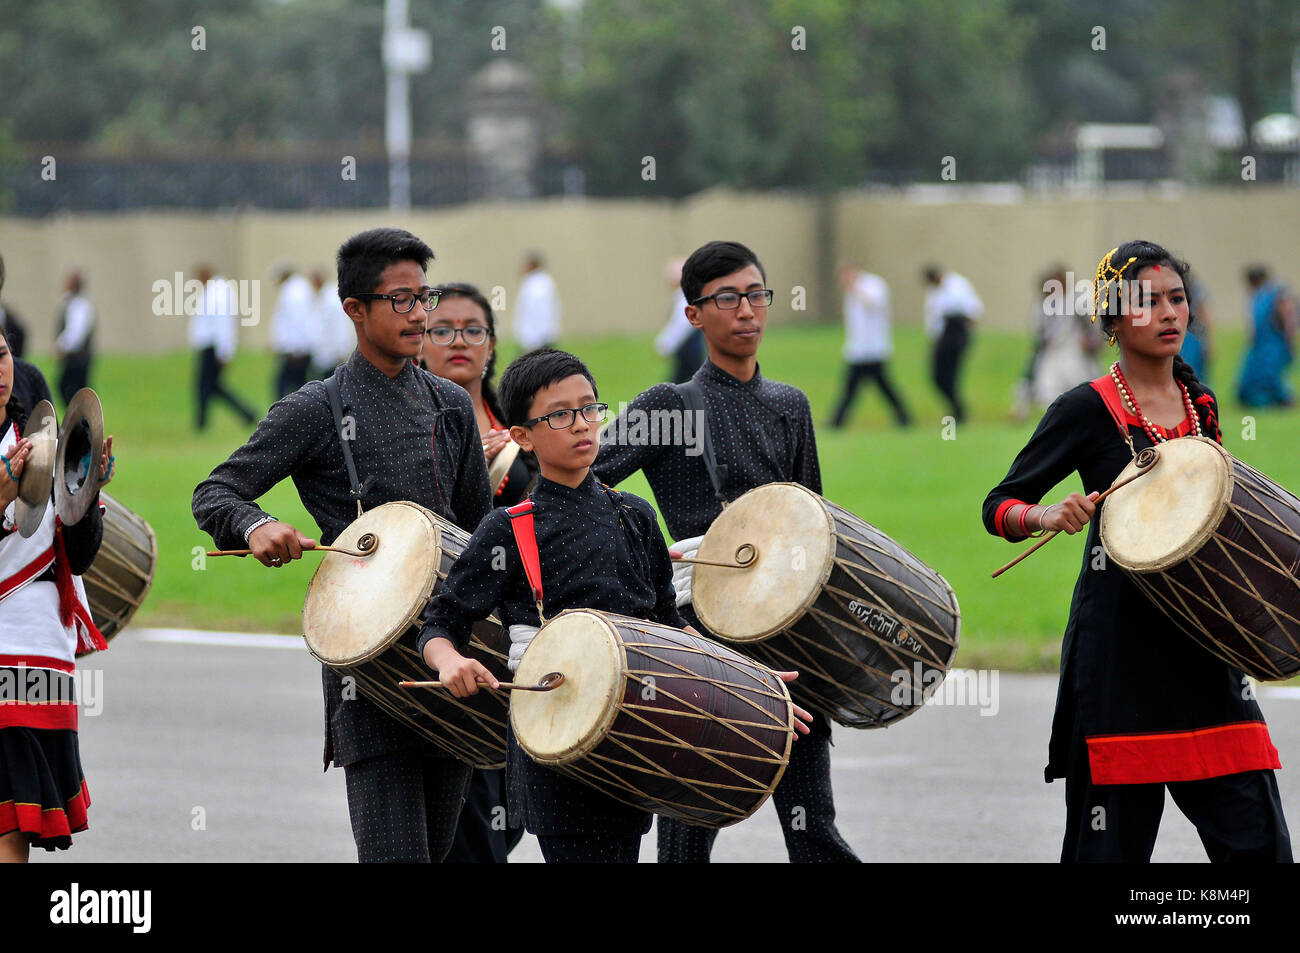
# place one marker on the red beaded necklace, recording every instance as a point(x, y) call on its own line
point(1131, 403)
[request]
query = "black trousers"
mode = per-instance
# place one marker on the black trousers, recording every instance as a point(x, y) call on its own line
point(405, 806)
point(483, 835)
point(805, 807)
point(869, 371)
point(293, 374)
point(1238, 816)
point(947, 356)
point(74, 375)
point(210, 386)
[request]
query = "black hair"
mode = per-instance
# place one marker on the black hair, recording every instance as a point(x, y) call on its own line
point(364, 256)
point(1256, 274)
point(15, 411)
point(463, 289)
point(712, 261)
point(932, 273)
point(1145, 254)
point(529, 373)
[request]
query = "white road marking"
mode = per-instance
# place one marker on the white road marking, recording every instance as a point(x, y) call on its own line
point(1281, 691)
point(235, 639)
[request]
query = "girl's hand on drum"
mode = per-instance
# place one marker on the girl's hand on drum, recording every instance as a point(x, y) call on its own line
point(1071, 514)
point(12, 463)
point(802, 719)
point(274, 544)
point(493, 442)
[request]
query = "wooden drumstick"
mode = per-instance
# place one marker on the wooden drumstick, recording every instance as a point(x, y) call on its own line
point(368, 543)
point(1150, 455)
point(549, 681)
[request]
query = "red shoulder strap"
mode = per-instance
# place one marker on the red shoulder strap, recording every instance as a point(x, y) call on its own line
point(521, 524)
point(1105, 386)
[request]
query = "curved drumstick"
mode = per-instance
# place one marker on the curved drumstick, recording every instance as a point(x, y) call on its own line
point(749, 551)
point(549, 681)
point(367, 545)
point(1144, 460)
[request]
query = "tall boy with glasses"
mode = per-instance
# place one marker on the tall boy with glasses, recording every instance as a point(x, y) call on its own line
point(761, 432)
point(413, 437)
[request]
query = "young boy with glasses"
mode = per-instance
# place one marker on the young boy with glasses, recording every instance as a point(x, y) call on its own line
point(761, 432)
point(598, 549)
point(414, 437)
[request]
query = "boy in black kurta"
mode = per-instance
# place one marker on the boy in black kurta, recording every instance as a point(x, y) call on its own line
point(1140, 705)
point(414, 438)
point(599, 549)
point(761, 432)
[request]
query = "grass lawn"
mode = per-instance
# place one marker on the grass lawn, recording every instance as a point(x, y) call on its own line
point(921, 489)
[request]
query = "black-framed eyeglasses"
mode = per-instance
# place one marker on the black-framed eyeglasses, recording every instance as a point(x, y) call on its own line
point(564, 419)
point(404, 301)
point(730, 300)
point(475, 335)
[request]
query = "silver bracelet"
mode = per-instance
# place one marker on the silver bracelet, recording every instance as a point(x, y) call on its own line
point(265, 519)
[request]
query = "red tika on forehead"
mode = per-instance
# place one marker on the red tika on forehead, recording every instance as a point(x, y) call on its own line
point(1155, 267)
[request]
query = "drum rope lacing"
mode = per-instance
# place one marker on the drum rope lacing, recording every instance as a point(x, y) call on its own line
point(1130, 402)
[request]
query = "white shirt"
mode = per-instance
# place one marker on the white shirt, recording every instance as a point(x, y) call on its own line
point(335, 336)
point(866, 320)
point(215, 323)
point(677, 330)
point(537, 311)
point(78, 320)
point(953, 295)
point(292, 329)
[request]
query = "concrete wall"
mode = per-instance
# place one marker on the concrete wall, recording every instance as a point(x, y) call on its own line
point(608, 256)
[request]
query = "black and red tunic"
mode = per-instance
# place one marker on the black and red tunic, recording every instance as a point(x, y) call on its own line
point(1152, 705)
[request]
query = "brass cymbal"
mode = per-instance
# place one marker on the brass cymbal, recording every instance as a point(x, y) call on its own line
point(81, 441)
point(37, 481)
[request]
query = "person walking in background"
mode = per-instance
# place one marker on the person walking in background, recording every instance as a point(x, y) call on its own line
point(951, 304)
point(213, 333)
point(1198, 346)
point(1271, 320)
point(292, 332)
point(1064, 350)
point(678, 339)
point(333, 337)
point(537, 306)
point(867, 344)
point(75, 327)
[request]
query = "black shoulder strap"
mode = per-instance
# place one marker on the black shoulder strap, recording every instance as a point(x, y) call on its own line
point(694, 400)
point(336, 406)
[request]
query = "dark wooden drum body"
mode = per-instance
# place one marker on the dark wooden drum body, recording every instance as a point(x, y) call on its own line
point(652, 716)
point(1215, 545)
point(122, 573)
point(361, 618)
point(870, 628)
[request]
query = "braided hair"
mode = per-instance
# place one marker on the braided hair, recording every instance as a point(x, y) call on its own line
point(463, 289)
point(1125, 263)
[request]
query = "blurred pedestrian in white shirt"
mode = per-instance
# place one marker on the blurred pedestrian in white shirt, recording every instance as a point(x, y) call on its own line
point(292, 332)
point(213, 333)
point(334, 337)
point(537, 306)
point(951, 304)
point(679, 338)
point(867, 344)
point(75, 326)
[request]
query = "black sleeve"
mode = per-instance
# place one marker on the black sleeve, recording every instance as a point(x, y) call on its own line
point(1052, 454)
point(661, 566)
point(807, 468)
point(293, 431)
point(622, 452)
point(84, 537)
point(475, 585)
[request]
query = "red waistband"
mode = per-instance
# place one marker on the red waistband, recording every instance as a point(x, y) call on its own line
point(1181, 755)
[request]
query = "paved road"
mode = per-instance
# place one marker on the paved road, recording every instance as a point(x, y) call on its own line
point(211, 752)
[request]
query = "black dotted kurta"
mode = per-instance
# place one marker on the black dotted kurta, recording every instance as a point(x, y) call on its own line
point(416, 439)
point(598, 549)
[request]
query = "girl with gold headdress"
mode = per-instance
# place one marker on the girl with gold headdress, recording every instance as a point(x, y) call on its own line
point(1141, 708)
